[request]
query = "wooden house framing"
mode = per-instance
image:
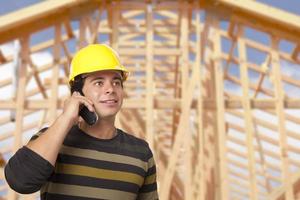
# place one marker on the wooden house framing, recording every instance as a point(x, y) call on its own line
point(214, 88)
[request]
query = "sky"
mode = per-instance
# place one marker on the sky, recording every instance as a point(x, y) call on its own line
point(7, 6)
point(12, 5)
point(288, 5)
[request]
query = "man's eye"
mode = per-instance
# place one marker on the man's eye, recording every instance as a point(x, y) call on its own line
point(117, 83)
point(99, 83)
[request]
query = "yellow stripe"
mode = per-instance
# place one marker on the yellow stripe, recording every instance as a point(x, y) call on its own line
point(150, 179)
point(99, 173)
point(89, 192)
point(110, 157)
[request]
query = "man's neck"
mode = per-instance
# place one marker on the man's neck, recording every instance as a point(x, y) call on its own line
point(103, 129)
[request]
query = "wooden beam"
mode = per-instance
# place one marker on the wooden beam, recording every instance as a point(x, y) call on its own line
point(37, 78)
point(41, 16)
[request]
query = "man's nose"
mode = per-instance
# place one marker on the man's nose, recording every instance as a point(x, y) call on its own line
point(109, 88)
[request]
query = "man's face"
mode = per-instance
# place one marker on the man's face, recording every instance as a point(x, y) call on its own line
point(105, 90)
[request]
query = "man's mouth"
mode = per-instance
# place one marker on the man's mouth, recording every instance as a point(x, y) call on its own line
point(109, 101)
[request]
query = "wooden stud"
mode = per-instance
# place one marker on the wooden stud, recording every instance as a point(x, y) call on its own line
point(184, 61)
point(220, 164)
point(177, 86)
point(81, 42)
point(37, 78)
point(184, 69)
point(2, 57)
point(279, 97)
point(198, 185)
point(68, 29)
point(115, 25)
point(20, 100)
point(149, 77)
point(296, 52)
point(247, 115)
point(55, 74)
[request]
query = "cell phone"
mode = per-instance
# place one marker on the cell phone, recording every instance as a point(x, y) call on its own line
point(89, 117)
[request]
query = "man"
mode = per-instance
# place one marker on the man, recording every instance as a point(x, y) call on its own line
point(73, 160)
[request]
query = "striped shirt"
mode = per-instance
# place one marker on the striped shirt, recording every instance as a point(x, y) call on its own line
point(88, 168)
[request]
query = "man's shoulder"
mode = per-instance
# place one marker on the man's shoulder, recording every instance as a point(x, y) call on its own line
point(132, 139)
point(135, 146)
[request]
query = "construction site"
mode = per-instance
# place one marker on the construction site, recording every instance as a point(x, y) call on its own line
point(214, 88)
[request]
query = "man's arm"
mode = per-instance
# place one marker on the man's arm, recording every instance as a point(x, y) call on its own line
point(148, 191)
point(27, 171)
point(33, 164)
point(49, 143)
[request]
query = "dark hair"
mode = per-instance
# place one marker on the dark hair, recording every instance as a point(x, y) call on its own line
point(77, 84)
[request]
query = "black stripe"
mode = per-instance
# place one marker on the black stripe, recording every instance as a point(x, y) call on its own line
point(122, 144)
point(47, 196)
point(94, 182)
point(68, 159)
point(148, 188)
point(151, 171)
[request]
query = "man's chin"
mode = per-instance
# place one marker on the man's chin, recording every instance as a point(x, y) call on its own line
point(107, 115)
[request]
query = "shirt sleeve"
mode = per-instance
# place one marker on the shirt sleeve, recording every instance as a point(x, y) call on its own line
point(148, 191)
point(26, 171)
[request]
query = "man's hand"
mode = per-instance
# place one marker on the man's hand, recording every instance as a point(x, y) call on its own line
point(72, 106)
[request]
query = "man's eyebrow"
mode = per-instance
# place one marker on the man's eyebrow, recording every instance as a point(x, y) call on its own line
point(97, 78)
point(117, 78)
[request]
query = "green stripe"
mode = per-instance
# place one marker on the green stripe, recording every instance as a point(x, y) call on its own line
point(110, 157)
point(89, 192)
point(151, 162)
point(99, 173)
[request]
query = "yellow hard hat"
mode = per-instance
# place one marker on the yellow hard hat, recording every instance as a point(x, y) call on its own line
point(96, 57)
